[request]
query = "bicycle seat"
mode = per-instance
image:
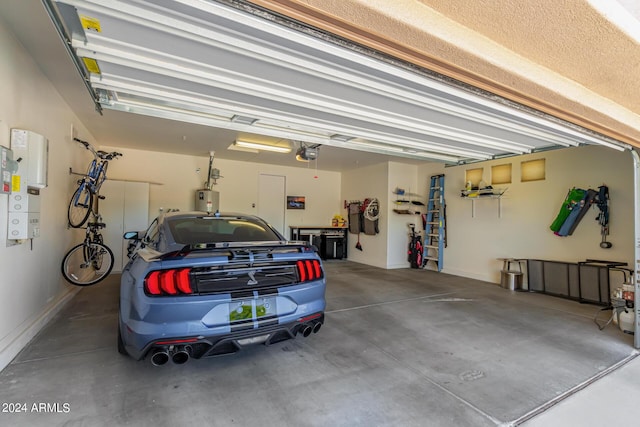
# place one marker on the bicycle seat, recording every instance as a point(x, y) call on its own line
point(96, 225)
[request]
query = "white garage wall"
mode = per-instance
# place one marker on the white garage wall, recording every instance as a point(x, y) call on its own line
point(406, 177)
point(30, 281)
point(239, 191)
point(175, 178)
point(528, 208)
point(358, 184)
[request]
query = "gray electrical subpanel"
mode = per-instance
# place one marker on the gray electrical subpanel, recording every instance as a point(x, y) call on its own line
point(24, 215)
point(7, 168)
point(30, 150)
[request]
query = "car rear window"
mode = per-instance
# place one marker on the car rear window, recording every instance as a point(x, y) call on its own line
point(189, 231)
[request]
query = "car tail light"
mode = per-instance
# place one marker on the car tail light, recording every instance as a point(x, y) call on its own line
point(312, 317)
point(309, 270)
point(175, 281)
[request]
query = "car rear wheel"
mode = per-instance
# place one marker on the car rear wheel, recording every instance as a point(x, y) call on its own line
point(121, 348)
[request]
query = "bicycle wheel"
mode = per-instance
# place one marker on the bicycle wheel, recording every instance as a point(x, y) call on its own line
point(80, 206)
point(87, 264)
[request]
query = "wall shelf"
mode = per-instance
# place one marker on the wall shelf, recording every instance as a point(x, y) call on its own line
point(406, 212)
point(408, 203)
point(71, 172)
point(489, 193)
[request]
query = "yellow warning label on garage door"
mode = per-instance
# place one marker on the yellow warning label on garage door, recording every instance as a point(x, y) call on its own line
point(92, 65)
point(89, 23)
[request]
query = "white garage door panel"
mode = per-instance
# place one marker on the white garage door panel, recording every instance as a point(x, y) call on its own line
point(206, 62)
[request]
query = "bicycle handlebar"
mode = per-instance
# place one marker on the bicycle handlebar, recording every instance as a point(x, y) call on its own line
point(85, 143)
point(108, 156)
point(101, 154)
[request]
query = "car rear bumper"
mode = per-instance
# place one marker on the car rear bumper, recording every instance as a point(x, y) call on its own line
point(208, 346)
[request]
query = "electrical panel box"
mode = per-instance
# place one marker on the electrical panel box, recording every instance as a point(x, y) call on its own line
point(7, 168)
point(207, 200)
point(24, 215)
point(31, 151)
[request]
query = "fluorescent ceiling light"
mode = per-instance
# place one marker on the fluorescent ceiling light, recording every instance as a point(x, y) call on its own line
point(235, 147)
point(264, 147)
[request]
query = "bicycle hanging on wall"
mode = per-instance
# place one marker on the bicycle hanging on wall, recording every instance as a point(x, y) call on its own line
point(91, 261)
point(83, 199)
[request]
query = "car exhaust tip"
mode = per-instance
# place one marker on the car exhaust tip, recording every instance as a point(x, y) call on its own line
point(306, 330)
point(181, 355)
point(159, 357)
point(317, 327)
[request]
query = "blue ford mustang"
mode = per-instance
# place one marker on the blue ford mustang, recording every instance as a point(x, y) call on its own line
point(200, 285)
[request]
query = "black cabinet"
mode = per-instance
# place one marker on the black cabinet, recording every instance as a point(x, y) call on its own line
point(330, 241)
point(331, 246)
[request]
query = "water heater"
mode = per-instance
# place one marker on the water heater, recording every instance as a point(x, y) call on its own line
point(207, 200)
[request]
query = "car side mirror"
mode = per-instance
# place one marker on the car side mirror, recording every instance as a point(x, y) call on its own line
point(131, 235)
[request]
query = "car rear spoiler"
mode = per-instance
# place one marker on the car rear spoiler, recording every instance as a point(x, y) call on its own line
point(238, 249)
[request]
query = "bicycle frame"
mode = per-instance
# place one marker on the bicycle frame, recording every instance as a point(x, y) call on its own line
point(92, 236)
point(95, 177)
point(97, 172)
point(93, 233)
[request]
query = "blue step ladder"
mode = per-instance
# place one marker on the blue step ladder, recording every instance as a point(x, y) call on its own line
point(435, 230)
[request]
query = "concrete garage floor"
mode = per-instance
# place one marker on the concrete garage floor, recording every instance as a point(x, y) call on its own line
point(399, 348)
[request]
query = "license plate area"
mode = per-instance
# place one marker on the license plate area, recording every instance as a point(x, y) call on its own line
point(252, 309)
point(253, 340)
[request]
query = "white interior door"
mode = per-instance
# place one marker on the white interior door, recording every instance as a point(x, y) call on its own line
point(271, 200)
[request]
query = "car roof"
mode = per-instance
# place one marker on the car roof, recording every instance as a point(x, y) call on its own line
point(192, 214)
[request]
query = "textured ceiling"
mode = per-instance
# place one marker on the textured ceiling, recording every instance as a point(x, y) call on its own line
point(563, 54)
point(568, 37)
